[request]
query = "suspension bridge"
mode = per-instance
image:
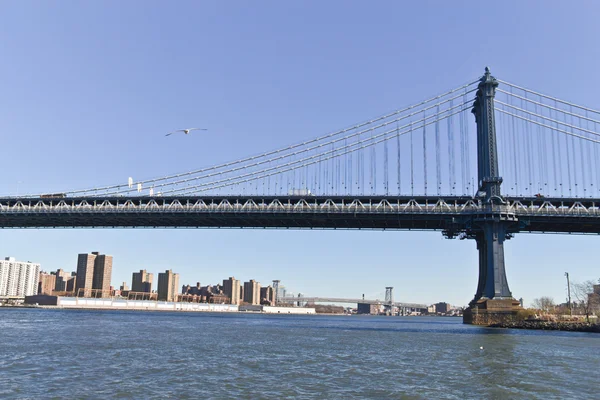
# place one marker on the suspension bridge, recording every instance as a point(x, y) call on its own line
point(427, 166)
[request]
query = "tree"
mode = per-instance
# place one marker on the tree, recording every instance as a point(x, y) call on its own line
point(586, 298)
point(545, 304)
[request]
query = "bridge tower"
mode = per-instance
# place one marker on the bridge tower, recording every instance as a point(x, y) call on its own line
point(389, 299)
point(493, 300)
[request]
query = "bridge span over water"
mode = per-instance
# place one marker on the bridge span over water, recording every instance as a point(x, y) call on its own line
point(537, 170)
point(338, 300)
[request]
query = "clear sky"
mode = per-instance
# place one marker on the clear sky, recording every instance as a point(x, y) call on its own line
point(89, 89)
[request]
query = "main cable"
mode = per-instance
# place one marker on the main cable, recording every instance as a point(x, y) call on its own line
point(270, 153)
point(309, 163)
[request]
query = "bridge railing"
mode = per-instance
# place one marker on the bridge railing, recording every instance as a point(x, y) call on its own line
point(327, 206)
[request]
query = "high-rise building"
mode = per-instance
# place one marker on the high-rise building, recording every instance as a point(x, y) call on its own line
point(46, 283)
point(93, 272)
point(142, 281)
point(102, 274)
point(276, 291)
point(85, 274)
point(252, 292)
point(65, 282)
point(442, 308)
point(124, 287)
point(231, 289)
point(168, 284)
point(17, 278)
point(267, 294)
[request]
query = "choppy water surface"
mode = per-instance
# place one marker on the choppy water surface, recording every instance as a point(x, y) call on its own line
point(119, 354)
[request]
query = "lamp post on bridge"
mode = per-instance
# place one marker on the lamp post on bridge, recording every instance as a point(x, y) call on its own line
point(493, 301)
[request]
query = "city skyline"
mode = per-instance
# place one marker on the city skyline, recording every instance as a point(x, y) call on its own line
point(143, 279)
point(270, 83)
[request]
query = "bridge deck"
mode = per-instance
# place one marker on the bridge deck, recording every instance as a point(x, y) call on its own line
point(362, 212)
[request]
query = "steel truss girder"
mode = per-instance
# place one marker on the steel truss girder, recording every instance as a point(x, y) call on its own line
point(451, 214)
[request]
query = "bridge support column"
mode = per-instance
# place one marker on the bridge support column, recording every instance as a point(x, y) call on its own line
point(493, 302)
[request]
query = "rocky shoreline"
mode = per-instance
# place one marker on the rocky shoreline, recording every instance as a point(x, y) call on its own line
point(550, 326)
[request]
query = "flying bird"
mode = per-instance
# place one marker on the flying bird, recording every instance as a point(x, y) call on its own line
point(186, 131)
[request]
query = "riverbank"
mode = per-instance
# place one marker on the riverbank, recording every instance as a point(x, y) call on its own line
point(550, 326)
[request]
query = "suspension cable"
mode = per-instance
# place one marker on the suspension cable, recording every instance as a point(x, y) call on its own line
point(283, 156)
point(331, 153)
point(289, 168)
point(547, 118)
point(547, 126)
point(252, 158)
point(549, 97)
point(539, 103)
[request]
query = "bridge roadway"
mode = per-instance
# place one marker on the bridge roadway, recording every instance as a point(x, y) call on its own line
point(452, 214)
point(341, 300)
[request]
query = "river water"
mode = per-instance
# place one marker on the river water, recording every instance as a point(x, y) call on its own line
point(153, 355)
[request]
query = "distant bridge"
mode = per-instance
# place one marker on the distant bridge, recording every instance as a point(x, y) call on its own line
point(353, 301)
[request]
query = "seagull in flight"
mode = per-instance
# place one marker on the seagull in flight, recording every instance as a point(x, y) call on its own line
point(186, 131)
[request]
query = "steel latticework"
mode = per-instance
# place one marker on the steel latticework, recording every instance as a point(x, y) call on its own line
point(389, 295)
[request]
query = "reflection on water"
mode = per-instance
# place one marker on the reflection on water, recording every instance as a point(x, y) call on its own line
point(120, 354)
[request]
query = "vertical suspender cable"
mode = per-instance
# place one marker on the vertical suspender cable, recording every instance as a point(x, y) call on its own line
point(385, 167)
point(559, 163)
point(463, 173)
point(320, 175)
point(338, 181)
point(518, 150)
point(451, 176)
point(541, 154)
point(573, 144)
point(346, 170)
point(553, 138)
point(371, 157)
point(581, 160)
point(349, 180)
point(568, 150)
point(331, 171)
point(596, 163)
point(294, 178)
point(362, 171)
point(501, 138)
point(412, 164)
point(513, 151)
point(528, 151)
point(424, 154)
point(269, 180)
point(399, 164)
point(589, 158)
point(438, 167)
point(545, 156)
point(467, 147)
point(509, 149)
point(374, 152)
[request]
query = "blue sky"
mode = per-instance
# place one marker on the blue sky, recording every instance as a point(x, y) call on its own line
point(90, 88)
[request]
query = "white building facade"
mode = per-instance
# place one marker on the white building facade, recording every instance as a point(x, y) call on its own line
point(18, 278)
